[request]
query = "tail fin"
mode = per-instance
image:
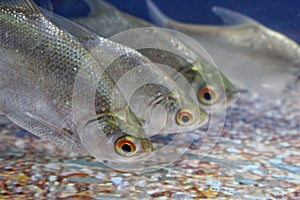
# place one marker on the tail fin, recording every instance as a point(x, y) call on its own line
point(156, 15)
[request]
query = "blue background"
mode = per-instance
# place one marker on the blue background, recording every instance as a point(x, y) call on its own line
point(280, 15)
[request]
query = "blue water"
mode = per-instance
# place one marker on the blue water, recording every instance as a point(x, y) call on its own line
point(280, 15)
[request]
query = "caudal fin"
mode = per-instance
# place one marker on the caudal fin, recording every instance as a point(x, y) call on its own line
point(159, 18)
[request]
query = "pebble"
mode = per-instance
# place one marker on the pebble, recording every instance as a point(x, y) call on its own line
point(291, 168)
point(116, 180)
point(84, 180)
point(20, 143)
point(258, 172)
point(53, 167)
point(141, 196)
point(52, 178)
point(246, 181)
point(255, 157)
point(275, 160)
point(232, 150)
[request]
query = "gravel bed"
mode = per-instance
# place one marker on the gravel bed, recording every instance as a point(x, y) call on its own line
point(256, 157)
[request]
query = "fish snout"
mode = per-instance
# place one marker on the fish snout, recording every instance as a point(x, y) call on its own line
point(232, 97)
point(203, 117)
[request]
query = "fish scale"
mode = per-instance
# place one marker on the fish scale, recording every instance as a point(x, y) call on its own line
point(186, 59)
point(39, 66)
point(149, 83)
point(253, 56)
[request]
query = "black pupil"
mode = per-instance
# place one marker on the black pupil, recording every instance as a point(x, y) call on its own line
point(185, 118)
point(126, 148)
point(207, 96)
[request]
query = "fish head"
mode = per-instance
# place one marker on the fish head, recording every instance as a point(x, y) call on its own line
point(212, 88)
point(106, 140)
point(120, 147)
point(174, 114)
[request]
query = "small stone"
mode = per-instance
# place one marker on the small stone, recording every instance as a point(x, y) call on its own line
point(275, 160)
point(53, 166)
point(141, 196)
point(232, 150)
point(20, 143)
point(180, 196)
point(52, 178)
point(257, 172)
point(116, 180)
point(22, 178)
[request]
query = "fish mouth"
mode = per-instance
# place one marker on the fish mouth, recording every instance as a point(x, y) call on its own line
point(225, 101)
point(158, 114)
point(204, 118)
point(233, 97)
point(156, 120)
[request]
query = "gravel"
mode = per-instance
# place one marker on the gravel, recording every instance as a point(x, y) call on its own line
point(256, 157)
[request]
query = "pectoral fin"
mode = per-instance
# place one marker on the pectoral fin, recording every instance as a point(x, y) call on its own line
point(63, 131)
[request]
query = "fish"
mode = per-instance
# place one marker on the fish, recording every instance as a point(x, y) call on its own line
point(146, 86)
point(253, 56)
point(51, 86)
point(210, 86)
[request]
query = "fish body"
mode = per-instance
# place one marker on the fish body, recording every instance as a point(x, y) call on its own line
point(40, 65)
point(166, 49)
point(250, 54)
point(146, 86)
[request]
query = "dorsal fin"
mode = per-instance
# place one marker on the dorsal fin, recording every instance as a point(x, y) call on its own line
point(230, 17)
point(84, 35)
point(25, 4)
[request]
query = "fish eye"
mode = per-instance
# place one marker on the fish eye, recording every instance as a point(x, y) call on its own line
point(184, 117)
point(207, 95)
point(126, 146)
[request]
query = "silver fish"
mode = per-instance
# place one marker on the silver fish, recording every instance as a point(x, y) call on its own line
point(152, 87)
point(41, 67)
point(209, 84)
point(250, 54)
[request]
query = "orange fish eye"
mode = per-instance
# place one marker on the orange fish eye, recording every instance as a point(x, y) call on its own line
point(125, 146)
point(207, 95)
point(184, 117)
